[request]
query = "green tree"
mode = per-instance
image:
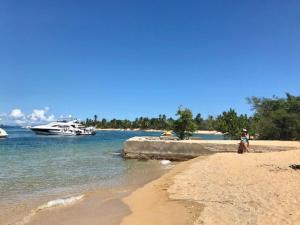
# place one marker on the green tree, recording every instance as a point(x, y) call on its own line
point(103, 123)
point(95, 120)
point(184, 126)
point(170, 123)
point(231, 124)
point(199, 121)
point(209, 123)
point(276, 118)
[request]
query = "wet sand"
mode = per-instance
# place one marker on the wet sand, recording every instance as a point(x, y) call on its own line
point(94, 208)
point(151, 204)
point(224, 188)
point(99, 206)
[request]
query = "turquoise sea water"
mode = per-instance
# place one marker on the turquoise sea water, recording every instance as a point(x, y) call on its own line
point(34, 166)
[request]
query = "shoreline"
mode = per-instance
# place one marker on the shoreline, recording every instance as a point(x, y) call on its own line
point(89, 207)
point(92, 209)
point(151, 203)
point(223, 188)
point(213, 132)
point(176, 196)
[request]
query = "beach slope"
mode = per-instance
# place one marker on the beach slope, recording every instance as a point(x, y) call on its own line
point(224, 188)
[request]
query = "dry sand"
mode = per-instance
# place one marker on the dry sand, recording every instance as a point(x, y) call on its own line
point(224, 188)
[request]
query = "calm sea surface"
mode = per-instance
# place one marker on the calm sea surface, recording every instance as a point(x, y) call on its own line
point(33, 166)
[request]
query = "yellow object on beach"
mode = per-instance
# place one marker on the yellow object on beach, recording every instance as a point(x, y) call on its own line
point(167, 133)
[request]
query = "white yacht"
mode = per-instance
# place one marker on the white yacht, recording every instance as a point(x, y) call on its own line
point(3, 133)
point(64, 127)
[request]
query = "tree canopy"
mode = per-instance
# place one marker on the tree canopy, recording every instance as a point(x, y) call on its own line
point(184, 126)
point(231, 124)
point(159, 123)
point(273, 119)
point(276, 118)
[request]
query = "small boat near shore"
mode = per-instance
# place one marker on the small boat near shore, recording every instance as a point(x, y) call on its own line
point(3, 133)
point(64, 127)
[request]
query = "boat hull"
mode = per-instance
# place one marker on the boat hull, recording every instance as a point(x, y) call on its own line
point(50, 132)
point(66, 128)
point(42, 131)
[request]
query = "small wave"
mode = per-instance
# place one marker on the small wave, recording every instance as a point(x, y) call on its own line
point(48, 205)
point(60, 202)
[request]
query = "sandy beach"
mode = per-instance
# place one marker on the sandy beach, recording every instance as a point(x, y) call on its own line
point(224, 188)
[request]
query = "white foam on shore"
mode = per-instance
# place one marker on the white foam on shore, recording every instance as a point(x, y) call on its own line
point(116, 153)
point(48, 205)
point(165, 162)
point(60, 202)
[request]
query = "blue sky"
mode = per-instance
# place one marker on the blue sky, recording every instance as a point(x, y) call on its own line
point(123, 59)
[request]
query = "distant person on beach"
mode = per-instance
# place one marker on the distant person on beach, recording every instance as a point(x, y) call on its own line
point(244, 144)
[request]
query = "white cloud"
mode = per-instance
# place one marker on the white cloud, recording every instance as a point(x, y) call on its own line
point(20, 122)
point(16, 114)
point(51, 117)
point(40, 115)
point(37, 116)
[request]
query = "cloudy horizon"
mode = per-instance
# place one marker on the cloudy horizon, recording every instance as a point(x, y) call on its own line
point(37, 116)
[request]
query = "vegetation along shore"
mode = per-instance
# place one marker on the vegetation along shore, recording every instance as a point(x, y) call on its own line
point(272, 119)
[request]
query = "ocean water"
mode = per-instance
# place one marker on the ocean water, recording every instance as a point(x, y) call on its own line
point(50, 167)
point(35, 165)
